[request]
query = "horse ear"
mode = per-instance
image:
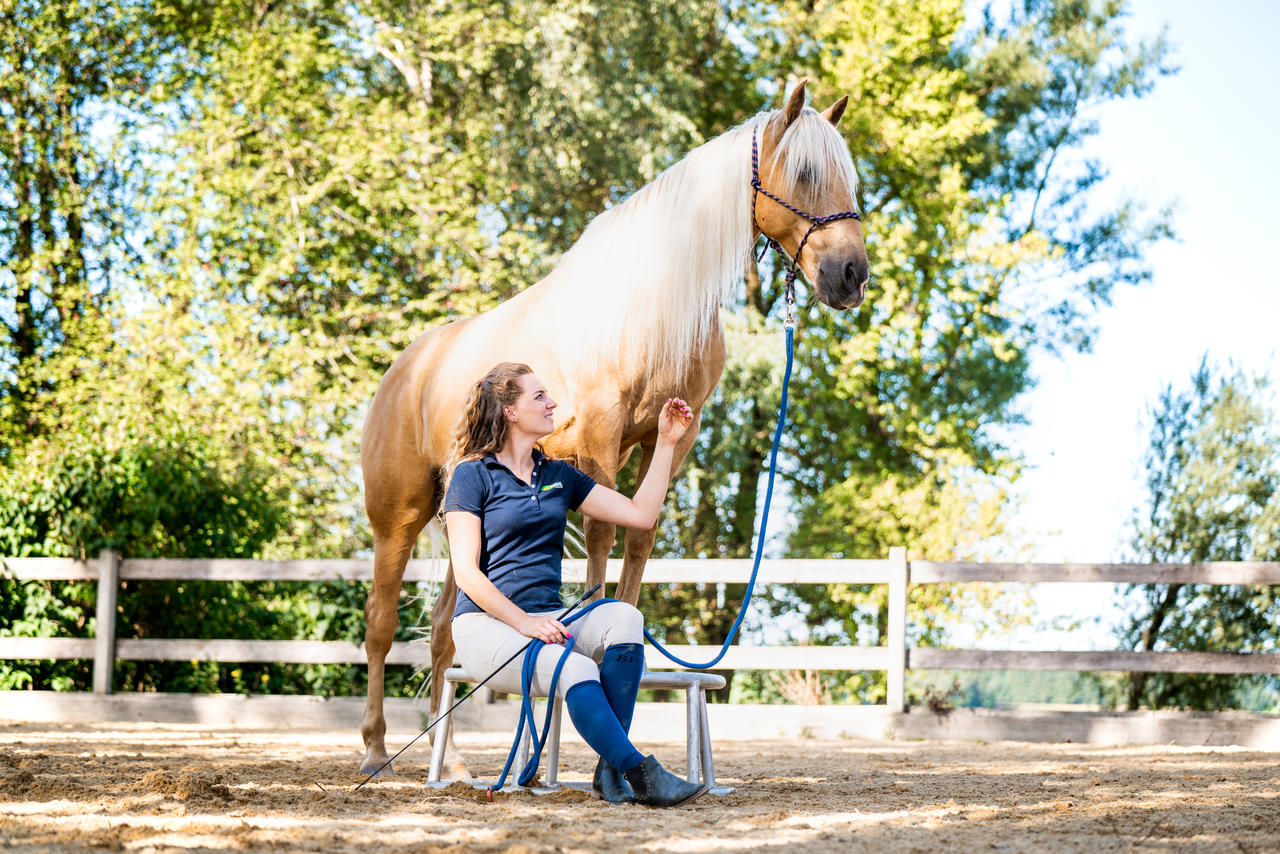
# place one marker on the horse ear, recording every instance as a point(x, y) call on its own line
point(796, 102)
point(836, 110)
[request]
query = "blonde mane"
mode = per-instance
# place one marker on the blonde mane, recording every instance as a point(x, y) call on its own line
point(653, 271)
point(812, 160)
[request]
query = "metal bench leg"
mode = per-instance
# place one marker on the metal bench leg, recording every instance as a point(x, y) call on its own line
point(708, 765)
point(553, 742)
point(693, 723)
point(441, 739)
point(522, 753)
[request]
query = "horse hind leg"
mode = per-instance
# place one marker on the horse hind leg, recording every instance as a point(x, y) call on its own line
point(442, 650)
point(392, 546)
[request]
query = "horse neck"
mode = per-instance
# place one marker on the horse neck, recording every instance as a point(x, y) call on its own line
point(642, 286)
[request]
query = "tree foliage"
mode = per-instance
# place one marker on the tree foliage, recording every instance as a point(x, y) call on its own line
point(1213, 493)
point(224, 221)
point(148, 496)
point(987, 248)
point(75, 78)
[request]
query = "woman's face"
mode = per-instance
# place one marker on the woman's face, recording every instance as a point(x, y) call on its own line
point(531, 413)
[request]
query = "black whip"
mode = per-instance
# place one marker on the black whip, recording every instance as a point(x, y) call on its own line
point(448, 711)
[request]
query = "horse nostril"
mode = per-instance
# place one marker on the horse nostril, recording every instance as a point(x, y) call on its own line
point(850, 274)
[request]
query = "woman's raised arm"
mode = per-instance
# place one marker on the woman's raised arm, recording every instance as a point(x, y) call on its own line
point(641, 512)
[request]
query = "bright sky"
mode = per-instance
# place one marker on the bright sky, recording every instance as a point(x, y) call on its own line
point(1204, 139)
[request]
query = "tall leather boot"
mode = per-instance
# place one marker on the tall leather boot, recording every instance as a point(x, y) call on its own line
point(654, 786)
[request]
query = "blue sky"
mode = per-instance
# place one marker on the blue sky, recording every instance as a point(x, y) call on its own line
point(1205, 140)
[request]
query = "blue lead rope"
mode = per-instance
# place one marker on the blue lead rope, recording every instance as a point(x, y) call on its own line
point(531, 657)
point(526, 704)
point(764, 526)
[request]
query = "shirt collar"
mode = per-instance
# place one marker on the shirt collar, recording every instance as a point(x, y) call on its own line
point(491, 459)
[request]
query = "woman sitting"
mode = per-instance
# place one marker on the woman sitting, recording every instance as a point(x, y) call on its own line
point(505, 509)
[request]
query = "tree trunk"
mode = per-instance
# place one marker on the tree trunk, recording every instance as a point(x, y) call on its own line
point(742, 527)
point(755, 292)
point(715, 633)
point(1138, 681)
point(71, 191)
point(757, 299)
point(26, 338)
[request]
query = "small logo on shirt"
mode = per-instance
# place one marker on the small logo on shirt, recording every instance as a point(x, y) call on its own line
point(551, 486)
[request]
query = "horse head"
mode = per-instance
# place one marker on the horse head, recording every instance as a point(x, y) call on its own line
point(805, 173)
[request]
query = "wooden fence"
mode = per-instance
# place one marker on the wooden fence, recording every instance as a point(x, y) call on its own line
point(895, 658)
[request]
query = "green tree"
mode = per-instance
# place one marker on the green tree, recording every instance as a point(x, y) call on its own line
point(963, 128)
point(1213, 493)
point(976, 202)
point(315, 184)
point(150, 496)
point(74, 83)
point(286, 193)
point(343, 181)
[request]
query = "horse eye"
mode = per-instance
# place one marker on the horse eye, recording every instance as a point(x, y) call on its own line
point(805, 175)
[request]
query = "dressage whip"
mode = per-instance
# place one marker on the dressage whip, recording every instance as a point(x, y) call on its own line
point(449, 711)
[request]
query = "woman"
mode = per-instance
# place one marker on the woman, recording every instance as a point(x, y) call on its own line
point(505, 509)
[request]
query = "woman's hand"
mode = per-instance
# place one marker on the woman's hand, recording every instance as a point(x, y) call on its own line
point(640, 513)
point(674, 420)
point(545, 629)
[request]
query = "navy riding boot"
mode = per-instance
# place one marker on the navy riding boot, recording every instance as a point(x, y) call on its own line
point(620, 672)
point(652, 784)
point(596, 723)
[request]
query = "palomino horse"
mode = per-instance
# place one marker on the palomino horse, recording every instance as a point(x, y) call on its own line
point(628, 318)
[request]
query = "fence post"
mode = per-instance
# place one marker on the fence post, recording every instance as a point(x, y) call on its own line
point(104, 642)
point(899, 576)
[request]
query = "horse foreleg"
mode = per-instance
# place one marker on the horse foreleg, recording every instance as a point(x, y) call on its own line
point(639, 543)
point(442, 650)
point(599, 458)
point(599, 538)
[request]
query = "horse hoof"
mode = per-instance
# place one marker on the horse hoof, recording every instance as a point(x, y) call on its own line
point(457, 770)
point(373, 769)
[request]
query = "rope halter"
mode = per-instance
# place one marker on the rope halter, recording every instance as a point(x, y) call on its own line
point(815, 222)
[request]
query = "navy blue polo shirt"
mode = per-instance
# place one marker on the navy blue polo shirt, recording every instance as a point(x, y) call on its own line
point(521, 525)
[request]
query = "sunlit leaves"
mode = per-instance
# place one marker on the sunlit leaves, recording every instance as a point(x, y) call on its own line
point(1213, 493)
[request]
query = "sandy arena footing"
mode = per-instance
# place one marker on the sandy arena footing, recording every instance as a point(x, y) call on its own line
point(160, 788)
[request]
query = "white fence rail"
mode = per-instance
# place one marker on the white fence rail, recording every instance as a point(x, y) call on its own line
point(895, 658)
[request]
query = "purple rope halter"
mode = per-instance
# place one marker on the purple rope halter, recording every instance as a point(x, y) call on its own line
point(815, 222)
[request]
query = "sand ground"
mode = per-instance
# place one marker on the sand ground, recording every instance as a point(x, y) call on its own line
point(153, 788)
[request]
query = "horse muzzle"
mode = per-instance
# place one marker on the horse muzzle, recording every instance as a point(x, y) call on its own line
point(859, 294)
point(844, 285)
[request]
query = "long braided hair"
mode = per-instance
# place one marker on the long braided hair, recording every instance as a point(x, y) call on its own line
point(483, 427)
